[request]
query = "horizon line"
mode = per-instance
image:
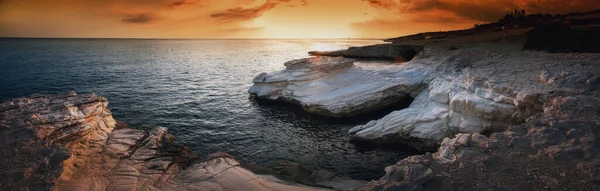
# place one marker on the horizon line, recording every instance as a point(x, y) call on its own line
point(134, 38)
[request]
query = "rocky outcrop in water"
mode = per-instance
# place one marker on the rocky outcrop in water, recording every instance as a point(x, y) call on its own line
point(71, 142)
point(337, 87)
point(396, 52)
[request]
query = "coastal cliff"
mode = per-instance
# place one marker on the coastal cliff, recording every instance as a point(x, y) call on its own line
point(72, 142)
point(493, 111)
point(481, 90)
point(497, 121)
point(494, 114)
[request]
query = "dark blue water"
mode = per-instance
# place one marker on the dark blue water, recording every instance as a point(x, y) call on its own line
point(197, 89)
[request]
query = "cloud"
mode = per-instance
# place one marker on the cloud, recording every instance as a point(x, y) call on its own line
point(383, 4)
point(386, 27)
point(139, 18)
point(403, 17)
point(302, 3)
point(487, 11)
point(245, 13)
point(178, 3)
point(183, 3)
point(559, 6)
point(2, 2)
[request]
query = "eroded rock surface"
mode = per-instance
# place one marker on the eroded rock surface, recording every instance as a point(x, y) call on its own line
point(553, 150)
point(38, 133)
point(335, 86)
point(295, 172)
point(502, 119)
point(71, 142)
point(480, 91)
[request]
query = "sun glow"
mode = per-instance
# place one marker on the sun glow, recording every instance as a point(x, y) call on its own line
point(254, 18)
point(304, 33)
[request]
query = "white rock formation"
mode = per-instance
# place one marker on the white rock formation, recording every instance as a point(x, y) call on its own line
point(450, 105)
point(486, 95)
point(337, 87)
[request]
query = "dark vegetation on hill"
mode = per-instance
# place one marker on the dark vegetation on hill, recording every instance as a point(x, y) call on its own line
point(564, 38)
point(573, 32)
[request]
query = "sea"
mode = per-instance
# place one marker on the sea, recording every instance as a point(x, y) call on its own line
point(198, 89)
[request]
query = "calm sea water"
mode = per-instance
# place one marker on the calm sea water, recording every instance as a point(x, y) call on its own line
point(197, 89)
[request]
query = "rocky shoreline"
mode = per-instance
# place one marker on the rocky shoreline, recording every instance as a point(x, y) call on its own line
point(72, 142)
point(493, 116)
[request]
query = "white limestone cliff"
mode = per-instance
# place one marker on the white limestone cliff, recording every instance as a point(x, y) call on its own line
point(337, 87)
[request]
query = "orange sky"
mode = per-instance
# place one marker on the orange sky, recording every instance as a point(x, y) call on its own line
point(257, 18)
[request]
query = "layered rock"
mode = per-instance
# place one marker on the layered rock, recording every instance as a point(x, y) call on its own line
point(503, 119)
point(447, 107)
point(38, 134)
point(553, 150)
point(495, 90)
point(71, 142)
point(337, 87)
point(396, 52)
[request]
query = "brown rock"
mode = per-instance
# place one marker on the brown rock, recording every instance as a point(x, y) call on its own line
point(69, 142)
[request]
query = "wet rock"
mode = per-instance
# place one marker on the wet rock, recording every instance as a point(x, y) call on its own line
point(338, 182)
point(403, 176)
point(295, 172)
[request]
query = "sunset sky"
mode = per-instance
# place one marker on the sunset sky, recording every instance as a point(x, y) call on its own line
point(258, 18)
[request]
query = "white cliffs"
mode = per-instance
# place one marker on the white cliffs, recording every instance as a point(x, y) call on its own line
point(337, 87)
point(478, 91)
point(460, 91)
point(445, 108)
